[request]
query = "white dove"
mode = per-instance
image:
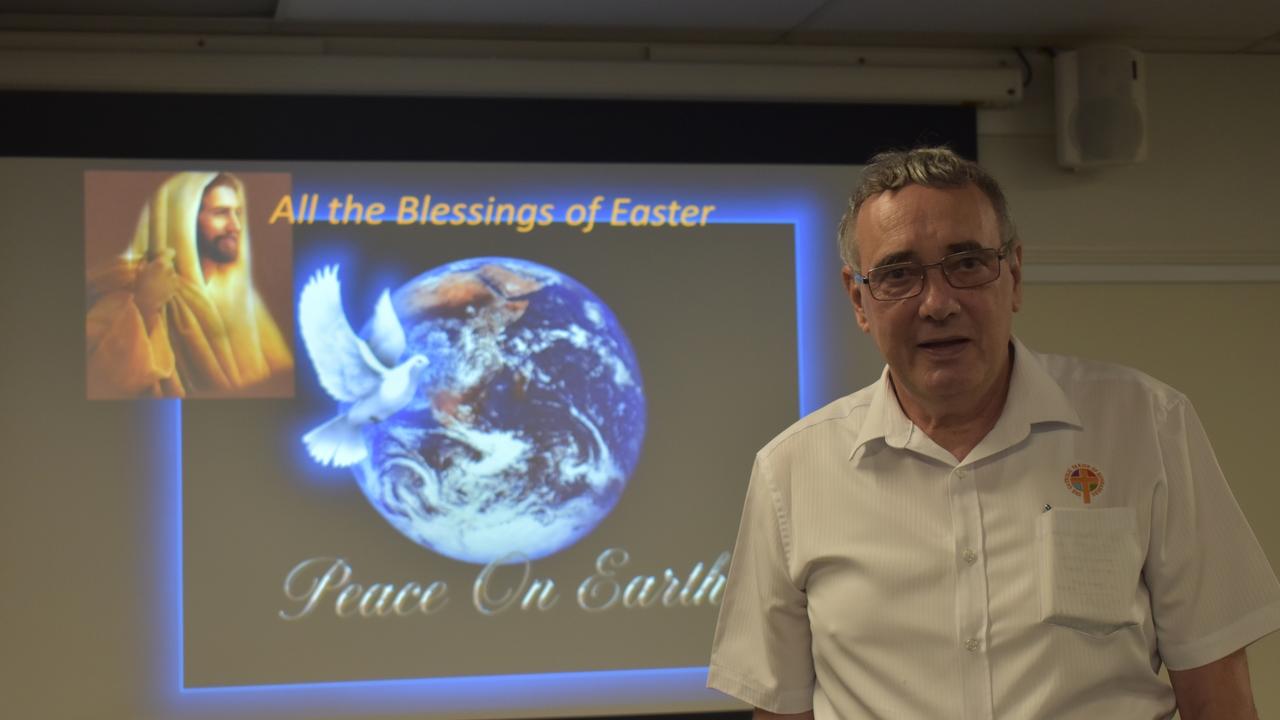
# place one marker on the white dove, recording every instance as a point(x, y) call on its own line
point(366, 375)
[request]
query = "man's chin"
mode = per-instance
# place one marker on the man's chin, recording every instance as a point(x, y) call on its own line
point(226, 251)
point(949, 382)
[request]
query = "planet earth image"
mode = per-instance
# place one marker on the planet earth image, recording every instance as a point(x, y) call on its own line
point(528, 420)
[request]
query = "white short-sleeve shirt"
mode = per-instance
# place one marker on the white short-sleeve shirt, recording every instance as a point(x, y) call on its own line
point(1089, 537)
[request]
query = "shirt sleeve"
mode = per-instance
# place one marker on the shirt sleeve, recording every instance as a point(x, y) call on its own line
point(762, 653)
point(1212, 588)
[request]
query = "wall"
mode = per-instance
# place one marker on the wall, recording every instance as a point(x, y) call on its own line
point(1202, 196)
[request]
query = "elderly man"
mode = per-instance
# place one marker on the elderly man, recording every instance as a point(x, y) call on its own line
point(177, 314)
point(985, 532)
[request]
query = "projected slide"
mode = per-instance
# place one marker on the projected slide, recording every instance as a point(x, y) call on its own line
point(462, 433)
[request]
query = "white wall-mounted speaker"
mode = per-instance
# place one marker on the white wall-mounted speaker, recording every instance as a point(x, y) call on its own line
point(1100, 101)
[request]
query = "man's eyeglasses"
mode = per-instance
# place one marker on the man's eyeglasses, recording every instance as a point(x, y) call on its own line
point(967, 269)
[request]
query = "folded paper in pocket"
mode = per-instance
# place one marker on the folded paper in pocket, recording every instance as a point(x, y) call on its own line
point(1089, 568)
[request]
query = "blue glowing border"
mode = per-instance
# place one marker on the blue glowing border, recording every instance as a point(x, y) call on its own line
point(592, 691)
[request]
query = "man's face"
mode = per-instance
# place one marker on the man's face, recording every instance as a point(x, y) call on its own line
point(945, 344)
point(219, 224)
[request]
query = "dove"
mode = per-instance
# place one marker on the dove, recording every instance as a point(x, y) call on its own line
point(369, 376)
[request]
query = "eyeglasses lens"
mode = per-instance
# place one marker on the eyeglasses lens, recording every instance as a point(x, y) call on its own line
point(962, 270)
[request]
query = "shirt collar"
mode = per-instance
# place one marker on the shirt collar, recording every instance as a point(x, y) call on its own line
point(884, 419)
point(1034, 397)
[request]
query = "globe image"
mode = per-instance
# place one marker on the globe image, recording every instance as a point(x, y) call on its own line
point(527, 422)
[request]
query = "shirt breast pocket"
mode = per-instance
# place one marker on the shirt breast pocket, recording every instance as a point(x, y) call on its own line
point(1090, 564)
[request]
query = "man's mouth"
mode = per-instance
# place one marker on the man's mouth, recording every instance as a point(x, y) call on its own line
point(944, 345)
point(228, 245)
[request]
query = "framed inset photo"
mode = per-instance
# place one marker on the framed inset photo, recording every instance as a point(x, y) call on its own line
point(187, 285)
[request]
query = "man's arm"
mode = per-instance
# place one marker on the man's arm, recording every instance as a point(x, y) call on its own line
point(766, 715)
point(1219, 690)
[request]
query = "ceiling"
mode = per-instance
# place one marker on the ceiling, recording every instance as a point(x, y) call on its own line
point(1227, 26)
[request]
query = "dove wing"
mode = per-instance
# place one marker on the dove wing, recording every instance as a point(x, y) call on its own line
point(386, 334)
point(346, 368)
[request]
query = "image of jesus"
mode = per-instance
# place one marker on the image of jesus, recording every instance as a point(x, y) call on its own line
point(177, 314)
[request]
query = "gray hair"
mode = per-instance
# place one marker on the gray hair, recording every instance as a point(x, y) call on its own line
point(935, 167)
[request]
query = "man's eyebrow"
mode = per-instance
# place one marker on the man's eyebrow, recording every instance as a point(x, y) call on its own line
point(898, 257)
point(910, 255)
point(965, 246)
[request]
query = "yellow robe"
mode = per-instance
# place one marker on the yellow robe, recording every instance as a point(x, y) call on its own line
point(211, 337)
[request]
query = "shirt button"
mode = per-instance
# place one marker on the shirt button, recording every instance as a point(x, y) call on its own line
point(972, 644)
point(970, 556)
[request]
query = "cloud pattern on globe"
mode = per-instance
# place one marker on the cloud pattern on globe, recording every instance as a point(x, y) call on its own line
point(527, 421)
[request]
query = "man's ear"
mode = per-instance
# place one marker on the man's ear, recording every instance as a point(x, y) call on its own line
point(854, 291)
point(1015, 269)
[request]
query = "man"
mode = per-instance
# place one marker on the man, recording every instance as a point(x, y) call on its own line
point(985, 532)
point(177, 314)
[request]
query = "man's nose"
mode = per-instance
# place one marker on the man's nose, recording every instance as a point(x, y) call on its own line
point(235, 223)
point(937, 297)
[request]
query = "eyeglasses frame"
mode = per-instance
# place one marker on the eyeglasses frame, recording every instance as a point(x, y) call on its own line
point(1002, 252)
